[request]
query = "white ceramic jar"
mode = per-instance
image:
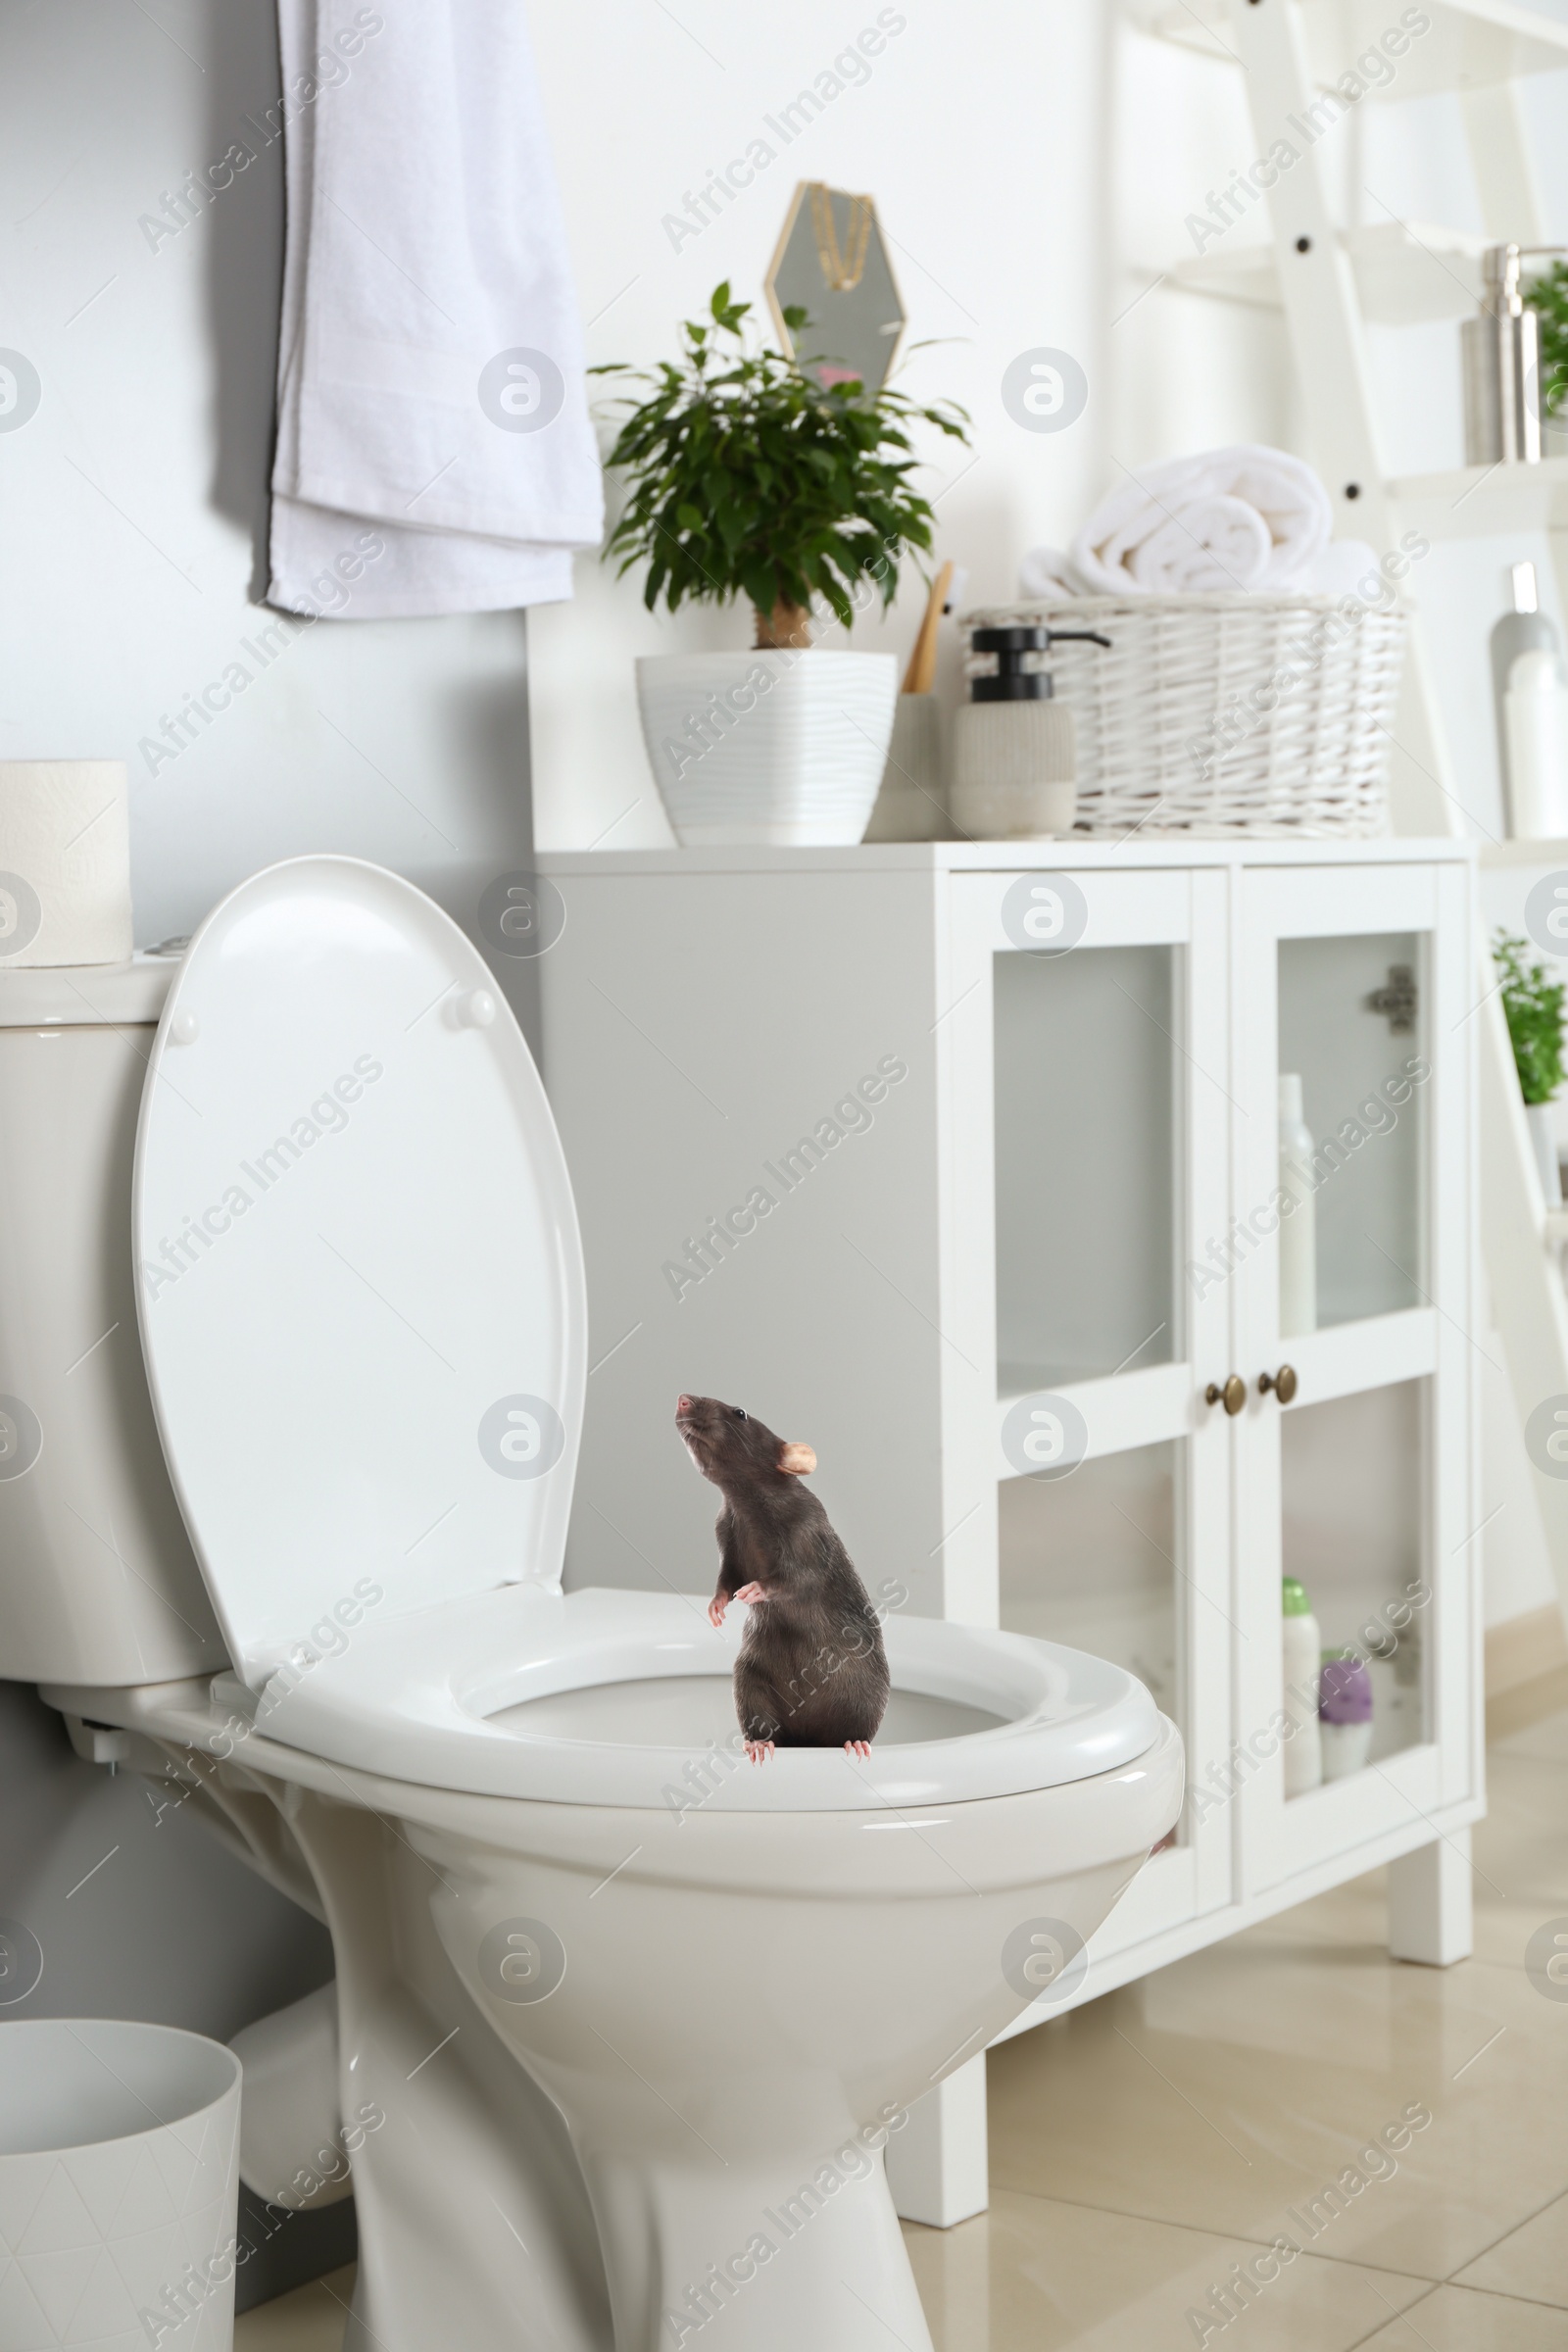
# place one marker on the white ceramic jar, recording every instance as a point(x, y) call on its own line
point(911, 804)
point(1014, 770)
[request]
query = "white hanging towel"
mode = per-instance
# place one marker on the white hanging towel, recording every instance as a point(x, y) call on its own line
point(434, 450)
point(1242, 517)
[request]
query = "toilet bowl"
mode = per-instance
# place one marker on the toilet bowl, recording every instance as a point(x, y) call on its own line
point(624, 2022)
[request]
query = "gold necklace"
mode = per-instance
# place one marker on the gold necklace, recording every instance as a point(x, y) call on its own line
point(842, 276)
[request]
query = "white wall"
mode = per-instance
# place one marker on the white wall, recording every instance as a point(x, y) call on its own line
point(1033, 175)
point(980, 131)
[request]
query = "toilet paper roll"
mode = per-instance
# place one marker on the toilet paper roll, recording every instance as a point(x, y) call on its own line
point(65, 862)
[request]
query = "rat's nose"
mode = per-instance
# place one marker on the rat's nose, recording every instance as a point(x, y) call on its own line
point(683, 1404)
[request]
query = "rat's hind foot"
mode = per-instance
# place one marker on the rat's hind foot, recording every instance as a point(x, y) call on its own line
point(857, 1747)
point(758, 1751)
point(715, 1609)
point(752, 1591)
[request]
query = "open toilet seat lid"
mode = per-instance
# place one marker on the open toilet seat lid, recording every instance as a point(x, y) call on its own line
point(361, 1283)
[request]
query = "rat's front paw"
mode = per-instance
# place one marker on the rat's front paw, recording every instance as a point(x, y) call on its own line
point(752, 1593)
point(859, 1748)
point(758, 1751)
point(715, 1609)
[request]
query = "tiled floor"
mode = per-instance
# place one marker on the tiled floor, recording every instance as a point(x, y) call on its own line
point(309, 2320)
point(1149, 2141)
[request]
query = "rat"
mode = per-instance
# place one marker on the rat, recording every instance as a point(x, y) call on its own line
point(812, 1671)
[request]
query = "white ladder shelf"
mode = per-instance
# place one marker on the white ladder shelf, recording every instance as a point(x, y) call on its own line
point(1330, 282)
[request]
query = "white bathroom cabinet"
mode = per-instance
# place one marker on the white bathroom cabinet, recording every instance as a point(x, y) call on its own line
point(1028, 1237)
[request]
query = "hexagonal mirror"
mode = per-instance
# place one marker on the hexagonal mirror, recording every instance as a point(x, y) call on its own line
point(832, 263)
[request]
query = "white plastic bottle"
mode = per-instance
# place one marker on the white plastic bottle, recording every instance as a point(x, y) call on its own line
point(1536, 723)
point(1298, 1231)
point(1303, 1660)
point(1524, 630)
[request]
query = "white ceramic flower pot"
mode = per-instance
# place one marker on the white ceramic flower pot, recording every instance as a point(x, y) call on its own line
point(786, 748)
point(118, 2186)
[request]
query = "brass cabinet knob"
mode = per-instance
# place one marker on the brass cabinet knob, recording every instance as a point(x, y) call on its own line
point(1282, 1382)
point(1233, 1395)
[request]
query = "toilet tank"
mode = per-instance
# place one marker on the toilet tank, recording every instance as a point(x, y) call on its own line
point(98, 1583)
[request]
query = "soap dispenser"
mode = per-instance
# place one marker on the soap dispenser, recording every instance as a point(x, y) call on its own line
point(1014, 748)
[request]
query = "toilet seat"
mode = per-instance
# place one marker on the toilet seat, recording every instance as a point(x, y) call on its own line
point(442, 1699)
point(361, 1284)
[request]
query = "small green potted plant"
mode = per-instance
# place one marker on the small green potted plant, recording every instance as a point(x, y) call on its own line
point(748, 479)
point(1533, 1006)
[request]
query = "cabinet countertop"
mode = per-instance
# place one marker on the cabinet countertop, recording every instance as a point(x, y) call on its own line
point(1073, 850)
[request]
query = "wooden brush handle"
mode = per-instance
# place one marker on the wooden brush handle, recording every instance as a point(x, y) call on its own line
point(920, 676)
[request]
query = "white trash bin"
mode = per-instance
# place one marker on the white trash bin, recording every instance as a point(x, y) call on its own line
point(118, 2182)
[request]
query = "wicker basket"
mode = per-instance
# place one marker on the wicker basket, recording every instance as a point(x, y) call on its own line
point(1225, 713)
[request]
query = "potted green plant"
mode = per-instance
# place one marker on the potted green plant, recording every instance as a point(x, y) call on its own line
point(1532, 1004)
point(749, 478)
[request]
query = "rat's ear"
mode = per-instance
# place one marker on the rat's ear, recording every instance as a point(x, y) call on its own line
point(799, 1460)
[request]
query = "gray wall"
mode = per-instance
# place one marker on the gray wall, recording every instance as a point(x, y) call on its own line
point(139, 1912)
point(135, 500)
point(133, 508)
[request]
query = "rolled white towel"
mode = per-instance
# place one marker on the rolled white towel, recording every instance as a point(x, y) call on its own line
point(1244, 518)
point(1047, 574)
point(1214, 543)
point(1344, 568)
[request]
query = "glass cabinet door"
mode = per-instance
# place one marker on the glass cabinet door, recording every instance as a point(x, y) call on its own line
point(1088, 1038)
point(1086, 1125)
point(1353, 1320)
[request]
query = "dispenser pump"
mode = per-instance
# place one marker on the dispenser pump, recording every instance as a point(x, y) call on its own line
point(1010, 682)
